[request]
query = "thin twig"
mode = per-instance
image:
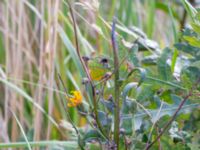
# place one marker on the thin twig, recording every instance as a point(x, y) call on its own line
point(174, 115)
point(68, 116)
point(87, 72)
point(154, 124)
point(65, 108)
point(60, 79)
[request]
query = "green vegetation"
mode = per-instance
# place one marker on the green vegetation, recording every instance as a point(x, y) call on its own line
point(92, 74)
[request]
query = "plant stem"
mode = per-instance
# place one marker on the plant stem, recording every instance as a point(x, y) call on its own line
point(182, 21)
point(68, 116)
point(65, 108)
point(87, 72)
point(174, 115)
point(117, 91)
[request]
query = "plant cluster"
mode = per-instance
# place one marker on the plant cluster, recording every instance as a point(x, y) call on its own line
point(139, 102)
point(70, 78)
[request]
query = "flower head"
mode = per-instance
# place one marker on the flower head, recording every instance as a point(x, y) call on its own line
point(75, 100)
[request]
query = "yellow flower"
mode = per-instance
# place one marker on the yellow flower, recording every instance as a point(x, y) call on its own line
point(75, 100)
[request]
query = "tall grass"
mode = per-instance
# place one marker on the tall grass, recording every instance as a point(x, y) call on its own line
point(37, 43)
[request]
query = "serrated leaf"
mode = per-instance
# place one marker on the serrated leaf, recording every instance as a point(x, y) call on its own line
point(163, 110)
point(169, 109)
point(146, 93)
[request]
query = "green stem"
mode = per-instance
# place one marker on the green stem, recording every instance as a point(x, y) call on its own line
point(117, 90)
point(87, 72)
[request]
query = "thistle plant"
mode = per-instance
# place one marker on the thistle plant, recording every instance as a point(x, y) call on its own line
point(103, 79)
point(123, 85)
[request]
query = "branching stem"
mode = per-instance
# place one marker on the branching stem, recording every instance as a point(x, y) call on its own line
point(174, 115)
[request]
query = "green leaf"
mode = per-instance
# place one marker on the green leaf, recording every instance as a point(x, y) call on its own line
point(163, 83)
point(133, 55)
point(189, 75)
point(164, 70)
point(127, 125)
point(169, 109)
point(129, 106)
point(142, 74)
point(150, 60)
point(196, 27)
point(104, 119)
point(92, 135)
point(28, 98)
point(146, 93)
point(150, 17)
point(146, 44)
point(163, 110)
point(109, 104)
point(71, 49)
point(127, 88)
point(138, 31)
point(164, 7)
point(189, 8)
point(178, 134)
point(193, 41)
point(194, 146)
point(195, 64)
point(22, 130)
point(187, 48)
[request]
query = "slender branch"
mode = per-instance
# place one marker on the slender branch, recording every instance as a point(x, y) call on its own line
point(182, 21)
point(77, 44)
point(60, 79)
point(159, 142)
point(174, 115)
point(68, 116)
point(117, 90)
point(184, 17)
point(70, 119)
point(87, 72)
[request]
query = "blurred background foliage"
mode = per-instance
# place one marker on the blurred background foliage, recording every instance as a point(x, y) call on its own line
point(37, 42)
